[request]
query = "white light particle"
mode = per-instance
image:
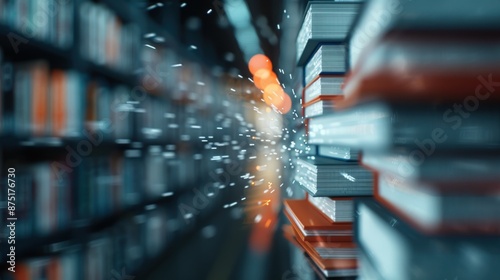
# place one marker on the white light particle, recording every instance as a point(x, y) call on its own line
point(257, 218)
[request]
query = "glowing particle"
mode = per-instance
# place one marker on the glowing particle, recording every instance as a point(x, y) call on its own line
point(258, 218)
point(268, 222)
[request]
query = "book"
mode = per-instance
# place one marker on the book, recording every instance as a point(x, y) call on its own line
point(466, 74)
point(384, 126)
point(460, 170)
point(67, 103)
point(107, 41)
point(381, 17)
point(337, 152)
point(325, 22)
point(329, 177)
point(155, 166)
point(31, 97)
point(398, 251)
point(319, 108)
point(343, 264)
point(334, 250)
point(332, 267)
point(313, 226)
point(323, 86)
point(327, 60)
point(48, 21)
point(336, 209)
point(432, 211)
point(322, 274)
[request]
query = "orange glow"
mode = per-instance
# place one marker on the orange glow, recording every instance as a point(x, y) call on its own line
point(261, 236)
point(268, 223)
point(277, 98)
point(263, 78)
point(286, 105)
point(273, 95)
point(259, 61)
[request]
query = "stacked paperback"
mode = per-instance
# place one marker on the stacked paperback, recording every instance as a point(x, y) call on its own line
point(420, 104)
point(322, 223)
point(328, 243)
point(322, 176)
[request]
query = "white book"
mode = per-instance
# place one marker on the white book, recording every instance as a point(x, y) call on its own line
point(325, 22)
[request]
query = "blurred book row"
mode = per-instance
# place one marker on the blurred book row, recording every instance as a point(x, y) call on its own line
point(53, 195)
point(51, 21)
point(40, 101)
point(109, 131)
point(119, 250)
point(404, 101)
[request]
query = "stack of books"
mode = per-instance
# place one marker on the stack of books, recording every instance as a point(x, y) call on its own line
point(322, 50)
point(328, 243)
point(324, 22)
point(322, 223)
point(420, 104)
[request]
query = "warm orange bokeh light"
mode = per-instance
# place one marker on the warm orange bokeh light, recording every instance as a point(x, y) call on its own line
point(277, 98)
point(263, 78)
point(285, 105)
point(259, 61)
point(273, 95)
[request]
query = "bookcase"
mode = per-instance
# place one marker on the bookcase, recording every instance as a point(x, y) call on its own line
point(103, 117)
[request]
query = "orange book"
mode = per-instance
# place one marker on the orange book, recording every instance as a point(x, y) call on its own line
point(412, 67)
point(310, 94)
point(39, 97)
point(328, 264)
point(58, 102)
point(289, 234)
point(313, 226)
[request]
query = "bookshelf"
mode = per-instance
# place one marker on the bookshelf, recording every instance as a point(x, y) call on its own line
point(112, 192)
